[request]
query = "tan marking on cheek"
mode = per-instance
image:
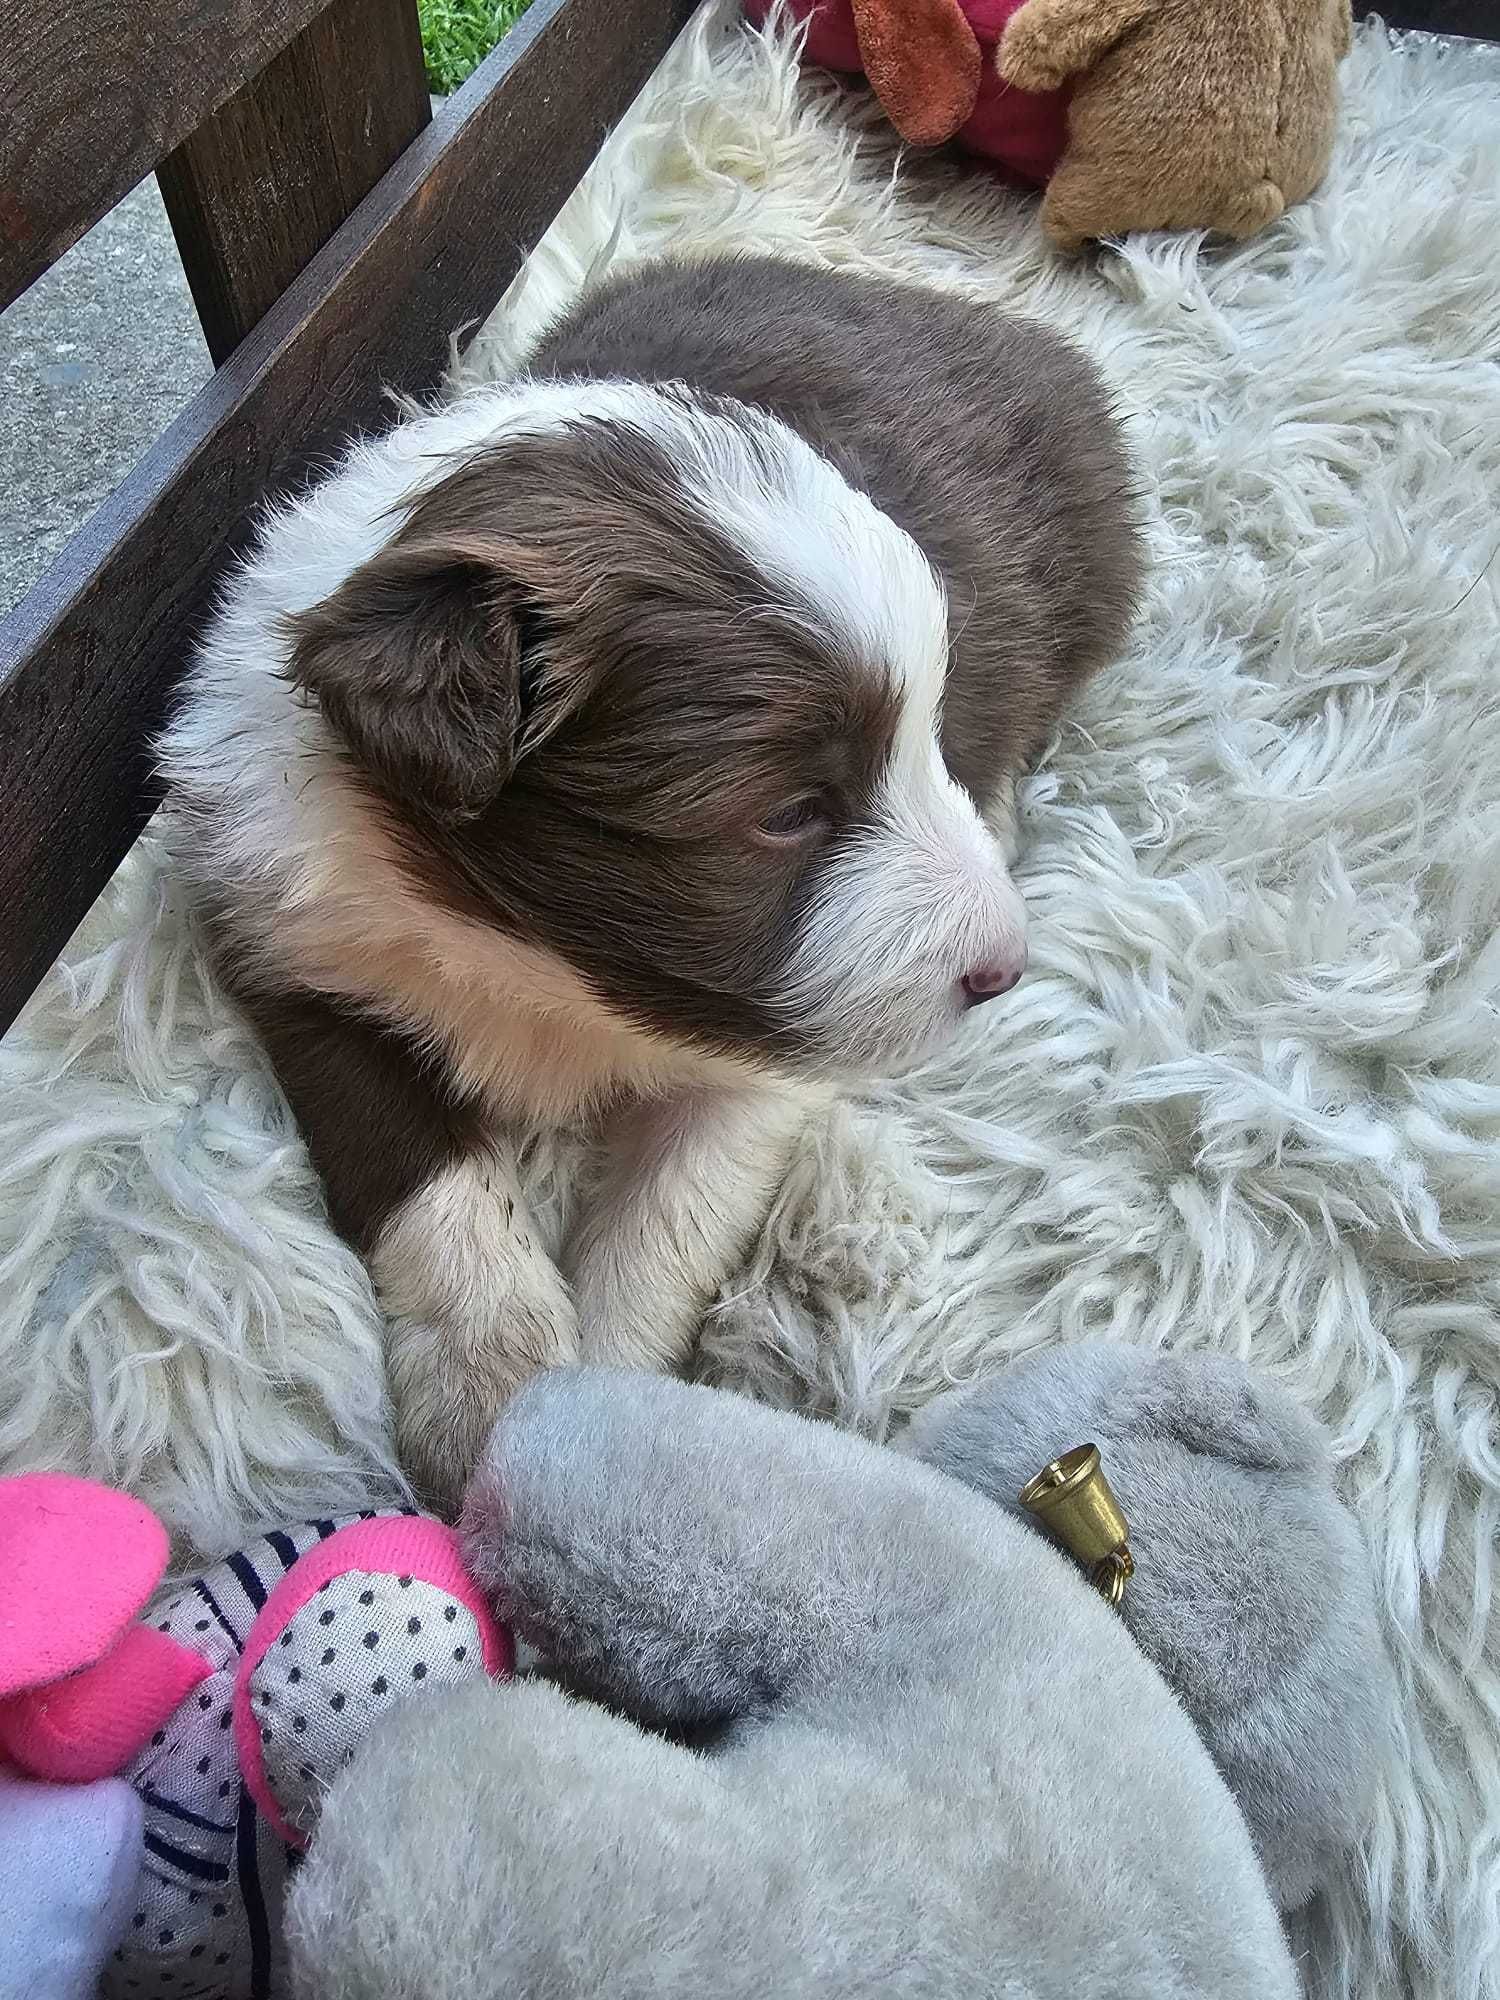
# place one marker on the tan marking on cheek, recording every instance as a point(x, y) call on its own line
point(518, 1025)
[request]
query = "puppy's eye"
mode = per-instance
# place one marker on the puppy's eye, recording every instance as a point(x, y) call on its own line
point(798, 819)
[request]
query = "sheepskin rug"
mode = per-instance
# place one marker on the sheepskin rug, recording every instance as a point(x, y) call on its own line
point(1248, 1096)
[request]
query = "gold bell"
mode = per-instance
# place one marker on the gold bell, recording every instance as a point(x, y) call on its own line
point(1072, 1499)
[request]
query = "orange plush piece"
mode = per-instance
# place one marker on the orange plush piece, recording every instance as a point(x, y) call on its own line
point(924, 62)
point(932, 66)
point(1185, 114)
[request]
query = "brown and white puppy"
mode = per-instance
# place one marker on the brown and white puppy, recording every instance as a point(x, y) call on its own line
point(635, 743)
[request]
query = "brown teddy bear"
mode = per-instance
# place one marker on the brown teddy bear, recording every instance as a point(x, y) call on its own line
point(1185, 114)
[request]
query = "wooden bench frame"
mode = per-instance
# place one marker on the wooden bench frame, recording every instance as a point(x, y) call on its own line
point(334, 240)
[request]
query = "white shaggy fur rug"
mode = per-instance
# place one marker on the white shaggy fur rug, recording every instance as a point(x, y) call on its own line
point(1249, 1094)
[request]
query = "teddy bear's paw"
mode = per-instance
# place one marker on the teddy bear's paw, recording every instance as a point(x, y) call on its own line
point(1033, 53)
point(509, 1840)
point(1078, 209)
point(1252, 209)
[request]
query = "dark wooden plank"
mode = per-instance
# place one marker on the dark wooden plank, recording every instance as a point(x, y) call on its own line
point(94, 93)
point(1478, 19)
point(88, 660)
point(265, 183)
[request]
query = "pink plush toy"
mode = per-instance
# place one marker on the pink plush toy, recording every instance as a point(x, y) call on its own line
point(227, 1715)
point(82, 1685)
point(932, 65)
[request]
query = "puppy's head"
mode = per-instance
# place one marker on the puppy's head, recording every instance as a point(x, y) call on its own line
point(650, 685)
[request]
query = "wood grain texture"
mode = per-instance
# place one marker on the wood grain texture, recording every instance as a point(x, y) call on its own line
point(93, 93)
point(268, 179)
point(89, 659)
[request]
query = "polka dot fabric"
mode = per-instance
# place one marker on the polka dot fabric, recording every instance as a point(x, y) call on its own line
point(363, 1642)
point(206, 1921)
point(380, 1612)
point(218, 1847)
point(307, 1636)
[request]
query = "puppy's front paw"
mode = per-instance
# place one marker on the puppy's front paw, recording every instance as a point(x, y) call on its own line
point(449, 1388)
point(475, 1306)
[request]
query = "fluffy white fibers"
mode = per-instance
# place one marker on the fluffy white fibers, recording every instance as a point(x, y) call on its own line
point(1249, 1094)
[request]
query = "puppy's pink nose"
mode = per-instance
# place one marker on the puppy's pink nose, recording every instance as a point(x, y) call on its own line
point(988, 982)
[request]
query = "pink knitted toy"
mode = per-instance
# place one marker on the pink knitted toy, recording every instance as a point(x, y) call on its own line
point(932, 64)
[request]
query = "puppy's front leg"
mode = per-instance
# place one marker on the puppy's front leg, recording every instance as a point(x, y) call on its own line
point(686, 1186)
point(422, 1185)
point(475, 1306)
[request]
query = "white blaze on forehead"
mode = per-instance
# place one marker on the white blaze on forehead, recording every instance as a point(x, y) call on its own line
point(850, 569)
point(854, 572)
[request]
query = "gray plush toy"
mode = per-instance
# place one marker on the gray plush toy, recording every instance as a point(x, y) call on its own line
point(835, 1723)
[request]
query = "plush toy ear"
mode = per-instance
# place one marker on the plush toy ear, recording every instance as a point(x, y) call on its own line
point(416, 662)
point(923, 60)
point(1215, 1408)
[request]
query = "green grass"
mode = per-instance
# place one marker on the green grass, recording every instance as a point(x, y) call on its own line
point(458, 34)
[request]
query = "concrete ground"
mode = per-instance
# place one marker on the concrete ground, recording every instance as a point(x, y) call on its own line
point(95, 361)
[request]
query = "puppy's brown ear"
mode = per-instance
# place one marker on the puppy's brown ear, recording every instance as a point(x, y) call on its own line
point(415, 661)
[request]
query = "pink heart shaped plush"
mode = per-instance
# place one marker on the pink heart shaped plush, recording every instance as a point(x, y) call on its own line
point(82, 1685)
point(79, 1561)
